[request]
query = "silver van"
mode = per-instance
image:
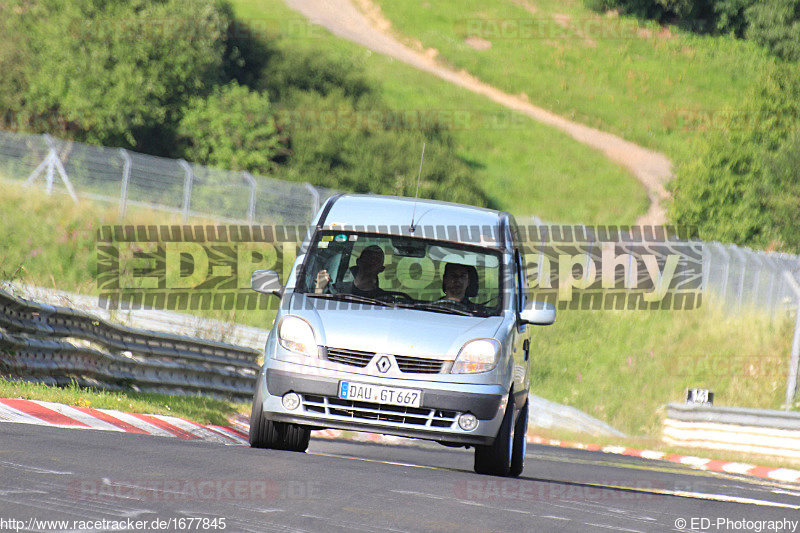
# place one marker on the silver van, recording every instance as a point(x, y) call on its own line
point(403, 317)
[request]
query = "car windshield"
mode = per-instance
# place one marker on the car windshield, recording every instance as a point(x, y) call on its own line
point(428, 275)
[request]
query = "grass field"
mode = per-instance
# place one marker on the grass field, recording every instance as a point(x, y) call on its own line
point(198, 408)
point(621, 367)
point(523, 166)
point(50, 242)
point(621, 75)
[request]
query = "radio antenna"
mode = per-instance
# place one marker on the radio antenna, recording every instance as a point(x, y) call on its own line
point(416, 195)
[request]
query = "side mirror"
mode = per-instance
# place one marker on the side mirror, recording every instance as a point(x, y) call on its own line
point(539, 313)
point(266, 281)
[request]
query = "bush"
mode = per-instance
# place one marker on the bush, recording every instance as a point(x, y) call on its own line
point(232, 128)
point(775, 24)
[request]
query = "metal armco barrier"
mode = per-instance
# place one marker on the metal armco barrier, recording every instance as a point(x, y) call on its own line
point(756, 431)
point(44, 342)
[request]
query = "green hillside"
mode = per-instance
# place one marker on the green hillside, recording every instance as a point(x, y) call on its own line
point(638, 79)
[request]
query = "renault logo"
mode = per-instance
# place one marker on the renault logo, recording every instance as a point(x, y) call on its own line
point(383, 364)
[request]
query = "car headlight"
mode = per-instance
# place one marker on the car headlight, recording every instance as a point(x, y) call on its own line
point(475, 356)
point(296, 335)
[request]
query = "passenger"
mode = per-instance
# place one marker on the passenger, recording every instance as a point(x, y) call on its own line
point(365, 281)
point(459, 283)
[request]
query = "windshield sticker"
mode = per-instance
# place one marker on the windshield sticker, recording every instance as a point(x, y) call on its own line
point(327, 237)
point(353, 237)
point(340, 238)
point(323, 244)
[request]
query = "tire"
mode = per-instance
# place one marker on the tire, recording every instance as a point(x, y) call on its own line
point(275, 435)
point(520, 442)
point(495, 459)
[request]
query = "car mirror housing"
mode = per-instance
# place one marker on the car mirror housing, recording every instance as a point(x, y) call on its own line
point(538, 313)
point(266, 281)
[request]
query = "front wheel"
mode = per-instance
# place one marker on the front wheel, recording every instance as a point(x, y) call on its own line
point(495, 459)
point(275, 435)
point(520, 441)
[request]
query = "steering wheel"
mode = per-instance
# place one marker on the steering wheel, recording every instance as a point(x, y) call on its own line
point(398, 297)
point(452, 304)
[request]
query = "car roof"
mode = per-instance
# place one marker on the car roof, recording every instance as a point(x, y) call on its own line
point(433, 219)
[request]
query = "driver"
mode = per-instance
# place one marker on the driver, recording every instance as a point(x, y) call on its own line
point(365, 283)
point(455, 283)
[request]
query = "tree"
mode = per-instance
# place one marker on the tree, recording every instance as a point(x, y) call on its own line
point(744, 186)
point(119, 70)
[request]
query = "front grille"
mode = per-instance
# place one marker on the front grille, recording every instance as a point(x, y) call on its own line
point(418, 365)
point(407, 364)
point(349, 409)
point(350, 357)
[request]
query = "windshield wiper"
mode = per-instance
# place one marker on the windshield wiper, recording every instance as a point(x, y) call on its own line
point(428, 306)
point(347, 297)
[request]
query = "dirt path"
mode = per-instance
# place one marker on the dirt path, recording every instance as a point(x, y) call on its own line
point(652, 169)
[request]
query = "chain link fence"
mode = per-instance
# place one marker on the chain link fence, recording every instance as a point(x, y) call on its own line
point(127, 179)
point(743, 279)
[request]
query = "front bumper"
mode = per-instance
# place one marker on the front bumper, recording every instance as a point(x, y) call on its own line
point(435, 419)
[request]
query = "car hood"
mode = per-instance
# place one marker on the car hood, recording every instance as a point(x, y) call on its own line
point(391, 330)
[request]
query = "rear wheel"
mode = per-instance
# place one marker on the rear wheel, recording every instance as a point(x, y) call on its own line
point(276, 435)
point(495, 459)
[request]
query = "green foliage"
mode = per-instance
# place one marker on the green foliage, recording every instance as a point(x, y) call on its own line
point(304, 71)
point(368, 148)
point(731, 16)
point(775, 24)
point(232, 128)
point(698, 13)
point(119, 70)
point(744, 186)
point(186, 79)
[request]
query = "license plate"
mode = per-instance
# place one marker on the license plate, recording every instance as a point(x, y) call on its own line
point(374, 393)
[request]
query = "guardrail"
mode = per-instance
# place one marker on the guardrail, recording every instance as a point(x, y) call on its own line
point(45, 342)
point(756, 431)
point(550, 415)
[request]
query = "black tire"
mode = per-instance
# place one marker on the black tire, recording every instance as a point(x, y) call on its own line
point(275, 435)
point(495, 459)
point(520, 442)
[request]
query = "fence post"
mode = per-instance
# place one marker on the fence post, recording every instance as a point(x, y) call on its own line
point(126, 176)
point(743, 258)
point(51, 164)
point(315, 197)
point(726, 255)
point(251, 208)
point(771, 274)
point(187, 188)
point(791, 382)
